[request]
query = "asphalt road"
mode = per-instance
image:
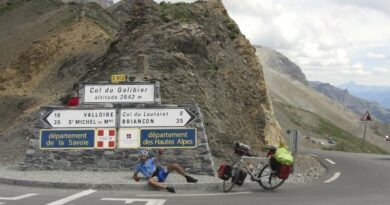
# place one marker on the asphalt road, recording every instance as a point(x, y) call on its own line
point(354, 179)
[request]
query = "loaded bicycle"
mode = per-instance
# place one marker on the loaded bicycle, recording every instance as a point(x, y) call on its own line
point(264, 170)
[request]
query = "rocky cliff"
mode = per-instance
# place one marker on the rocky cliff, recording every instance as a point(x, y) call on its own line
point(195, 50)
point(45, 49)
point(200, 57)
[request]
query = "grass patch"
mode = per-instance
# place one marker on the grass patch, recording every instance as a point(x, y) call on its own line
point(376, 130)
point(322, 127)
point(212, 65)
point(234, 31)
point(177, 11)
point(345, 141)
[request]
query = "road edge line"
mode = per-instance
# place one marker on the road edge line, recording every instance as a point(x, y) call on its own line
point(333, 178)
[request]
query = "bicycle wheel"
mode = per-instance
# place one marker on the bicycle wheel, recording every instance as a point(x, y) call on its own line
point(229, 184)
point(268, 179)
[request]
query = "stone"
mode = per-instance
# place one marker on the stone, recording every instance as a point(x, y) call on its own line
point(116, 164)
point(142, 64)
point(89, 160)
point(30, 152)
point(62, 164)
point(102, 163)
point(33, 144)
point(108, 153)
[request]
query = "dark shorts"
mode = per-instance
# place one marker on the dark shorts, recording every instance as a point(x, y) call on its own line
point(161, 174)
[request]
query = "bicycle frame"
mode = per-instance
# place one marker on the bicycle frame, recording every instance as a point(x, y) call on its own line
point(252, 171)
point(261, 173)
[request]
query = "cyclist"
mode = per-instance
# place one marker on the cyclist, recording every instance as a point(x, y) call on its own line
point(156, 174)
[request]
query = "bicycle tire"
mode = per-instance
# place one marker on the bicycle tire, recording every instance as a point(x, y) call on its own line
point(229, 184)
point(268, 179)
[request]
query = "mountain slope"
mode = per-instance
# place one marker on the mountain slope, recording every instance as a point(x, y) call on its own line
point(278, 62)
point(199, 55)
point(46, 47)
point(298, 106)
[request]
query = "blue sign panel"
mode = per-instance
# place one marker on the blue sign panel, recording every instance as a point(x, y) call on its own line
point(168, 138)
point(67, 139)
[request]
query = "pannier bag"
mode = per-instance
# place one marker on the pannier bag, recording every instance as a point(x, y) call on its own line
point(225, 172)
point(284, 171)
point(240, 178)
point(275, 165)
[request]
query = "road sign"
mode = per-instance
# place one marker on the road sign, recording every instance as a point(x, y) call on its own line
point(67, 139)
point(168, 138)
point(128, 138)
point(366, 117)
point(81, 118)
point(118, 78)
point(105, 138)
point(158, 117)
point(118, 93)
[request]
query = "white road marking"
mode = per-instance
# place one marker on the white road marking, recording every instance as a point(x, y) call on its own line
point(72, 197)
point(330, 161)
point(17, 197)
point(210, 194)
point(334, 177)
point(313, 155)
point(130, 201)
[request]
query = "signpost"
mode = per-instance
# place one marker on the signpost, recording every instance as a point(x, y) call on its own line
point(118, 93)
point(159, 117)
point(128, 138)
point(168, 138)
point(105, 138)
point(365, 118)
point(118, 78)
point(97, 128)
point(67, 139)
point(81, 118)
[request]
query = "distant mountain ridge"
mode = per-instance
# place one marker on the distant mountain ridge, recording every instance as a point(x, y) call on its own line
point(380, 94)
point(355, 104)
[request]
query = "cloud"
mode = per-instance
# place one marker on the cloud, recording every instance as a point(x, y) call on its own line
point(331, 40)
point(334, 41)
point(375, 55)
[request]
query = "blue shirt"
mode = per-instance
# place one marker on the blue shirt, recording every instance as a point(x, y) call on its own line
point(147, 168)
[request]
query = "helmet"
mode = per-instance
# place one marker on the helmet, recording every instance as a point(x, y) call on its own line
point(143, 152)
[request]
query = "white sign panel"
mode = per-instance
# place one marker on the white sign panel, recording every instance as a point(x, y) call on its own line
point(163, 117)
point(129, 138)
point(122, 93)
point(105, 138)
point(81, 118)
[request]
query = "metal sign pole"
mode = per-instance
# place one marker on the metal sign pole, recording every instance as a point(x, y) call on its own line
point(295, 139)
point(364, 135)
point(293, 144)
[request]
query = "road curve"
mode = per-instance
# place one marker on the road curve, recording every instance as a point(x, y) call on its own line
point(352, 179)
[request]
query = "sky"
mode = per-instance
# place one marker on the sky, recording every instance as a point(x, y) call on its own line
point(333, 41)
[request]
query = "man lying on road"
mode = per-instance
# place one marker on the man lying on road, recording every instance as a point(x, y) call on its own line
point(156, 174)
